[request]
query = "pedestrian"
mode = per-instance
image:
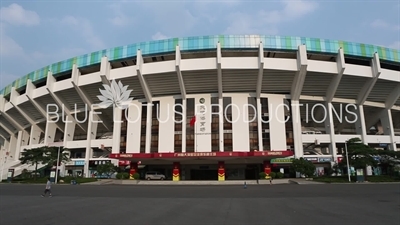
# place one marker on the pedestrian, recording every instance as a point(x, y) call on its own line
point(48, 188)
point(270, 179)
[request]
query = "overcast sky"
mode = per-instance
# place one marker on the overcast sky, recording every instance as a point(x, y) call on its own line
point(36, 33)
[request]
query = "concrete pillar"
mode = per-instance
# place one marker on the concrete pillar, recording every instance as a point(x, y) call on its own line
point(69, 129)
point(13, 147)
point(50, 133)
point(277, 123)
point(149, 123)
point(22, 141)
point(360, 124)
point(166, 136)
point(259, 125)
point(330, 129)
point(387, 126)
point(117, 130)
point(297, 135)
point(184, 126)
point(35, 135)
point(88, 152)
point(221, 123)
point(240, 126)
point(134, 119)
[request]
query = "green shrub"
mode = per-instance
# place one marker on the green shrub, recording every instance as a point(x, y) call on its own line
point(383, 178)
point(279, 175)
point(262, 175)
point(122, 176)
point(136, 176)
point(273, 175)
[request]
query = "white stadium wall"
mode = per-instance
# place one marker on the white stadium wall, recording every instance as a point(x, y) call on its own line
point(203, 76)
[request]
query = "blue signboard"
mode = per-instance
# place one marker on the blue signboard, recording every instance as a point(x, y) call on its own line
point(324, 159)
point(80, 163)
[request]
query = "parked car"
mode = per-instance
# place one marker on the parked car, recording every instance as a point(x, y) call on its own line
point(153, 175)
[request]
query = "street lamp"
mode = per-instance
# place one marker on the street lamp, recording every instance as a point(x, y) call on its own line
point(57, 144)
point(347, 160)
point(58, 161)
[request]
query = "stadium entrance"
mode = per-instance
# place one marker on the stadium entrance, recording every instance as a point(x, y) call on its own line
point(219, 166)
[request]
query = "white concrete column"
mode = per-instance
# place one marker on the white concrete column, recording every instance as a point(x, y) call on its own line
point(387, 126)
point(360, 124)
point(202, 133)
point(18, 145)
point(22, 140)
point(240, 126)
point(25, 138)
point(221, 123)
point(69, 129)
point(184, 125)
point(13, 147)
point(35, 135)
point(259, 125)
point(277, 123)
point(93, 131)
point(370, 83)
point(296, 121)
point(134, 118)
point(117, 130)
point(50, 133)
point(6, 149)
point(330, 129)
point(300, 75)
point(149, 123)
point(166, 133)
point(88, 152)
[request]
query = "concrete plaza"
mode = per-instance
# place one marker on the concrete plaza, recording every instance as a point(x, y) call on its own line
point(151, 204)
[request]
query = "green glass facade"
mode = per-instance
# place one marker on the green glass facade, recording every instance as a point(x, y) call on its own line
point(200, 43)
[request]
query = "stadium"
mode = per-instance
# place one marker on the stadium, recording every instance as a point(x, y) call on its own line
point(206, 108)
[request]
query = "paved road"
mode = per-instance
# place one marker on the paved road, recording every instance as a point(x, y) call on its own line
point(190, 205)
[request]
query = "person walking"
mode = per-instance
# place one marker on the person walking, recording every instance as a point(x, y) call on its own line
point(48, 188)
point(270, 179)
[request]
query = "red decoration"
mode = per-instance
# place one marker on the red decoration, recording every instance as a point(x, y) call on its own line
point(193, 121)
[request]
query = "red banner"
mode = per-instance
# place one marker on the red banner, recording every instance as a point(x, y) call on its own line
point(201, 154)
point(175, 172)
point(221, 171)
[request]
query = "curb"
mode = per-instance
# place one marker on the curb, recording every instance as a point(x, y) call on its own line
point(293, 182)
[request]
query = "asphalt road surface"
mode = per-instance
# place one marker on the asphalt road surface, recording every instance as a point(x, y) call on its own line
point(189, 205)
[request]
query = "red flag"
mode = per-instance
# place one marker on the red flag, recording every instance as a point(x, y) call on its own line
point(193, 121)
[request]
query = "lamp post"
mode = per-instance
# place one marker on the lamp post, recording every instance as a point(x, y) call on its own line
point(58, 161)
point(347, 160)
point(59, 145)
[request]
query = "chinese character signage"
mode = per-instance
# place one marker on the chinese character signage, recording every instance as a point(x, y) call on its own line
point(281, 160)
point(196, 154)
point(202, 117)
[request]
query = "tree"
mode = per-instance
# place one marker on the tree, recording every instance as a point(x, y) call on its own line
point(389, 161)
point(360, 155)
point(303, 166)
point(107, 169)
point(34, 156)
point(43, 155)
point(52, 153)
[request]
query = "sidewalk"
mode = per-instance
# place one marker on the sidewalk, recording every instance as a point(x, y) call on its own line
point(303, 181)
point(100, 182)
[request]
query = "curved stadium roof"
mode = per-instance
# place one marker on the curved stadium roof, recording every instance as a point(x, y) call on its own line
point(201, 43)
